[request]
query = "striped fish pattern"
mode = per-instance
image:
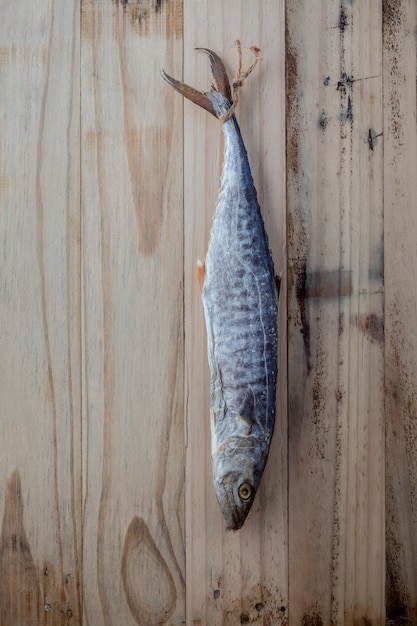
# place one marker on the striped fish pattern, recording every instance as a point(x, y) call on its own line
point(240, 304)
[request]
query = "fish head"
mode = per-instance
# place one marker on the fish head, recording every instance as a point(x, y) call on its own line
point(237, 470)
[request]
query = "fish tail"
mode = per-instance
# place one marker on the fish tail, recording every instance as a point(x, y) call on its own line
point(198, 97)
point(220, 78)
point(221, 82)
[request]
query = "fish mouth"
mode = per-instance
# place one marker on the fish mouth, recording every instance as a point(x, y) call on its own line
point(236, 478)
point(234, 515)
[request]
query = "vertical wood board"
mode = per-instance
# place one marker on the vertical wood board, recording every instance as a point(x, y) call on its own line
point(335, 312)
point(233, 577)
point(108, 187)
point(400, 254)
point(133, 432)
point(40, 461)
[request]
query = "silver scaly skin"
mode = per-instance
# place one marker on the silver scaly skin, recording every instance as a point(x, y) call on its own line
point(240, 306)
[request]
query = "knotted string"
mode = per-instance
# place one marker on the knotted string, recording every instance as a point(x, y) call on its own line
point(241, 76)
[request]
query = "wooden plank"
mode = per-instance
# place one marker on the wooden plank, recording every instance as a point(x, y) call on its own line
point(335, 302)
point(133, 324)
point(400, 193)
point(347, 198)
point(233, 577)
point(40, 400)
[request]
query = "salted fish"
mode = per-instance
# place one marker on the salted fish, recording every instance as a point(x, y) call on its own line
point(240, 301)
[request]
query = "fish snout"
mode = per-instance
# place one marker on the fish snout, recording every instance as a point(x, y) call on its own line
point(236, 479)
point(235, 502)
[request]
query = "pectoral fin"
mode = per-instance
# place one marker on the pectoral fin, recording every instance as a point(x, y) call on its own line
point(247, 412)
point(201, 272)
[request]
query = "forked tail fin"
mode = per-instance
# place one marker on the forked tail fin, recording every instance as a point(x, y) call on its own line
point(221, 82)
point(198, 97)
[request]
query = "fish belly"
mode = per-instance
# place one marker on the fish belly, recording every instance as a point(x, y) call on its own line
point(240, 307)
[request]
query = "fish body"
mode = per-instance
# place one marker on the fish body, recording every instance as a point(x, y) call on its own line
point(240, 306)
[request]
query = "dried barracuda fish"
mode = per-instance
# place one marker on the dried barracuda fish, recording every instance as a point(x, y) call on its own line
point(240, 305)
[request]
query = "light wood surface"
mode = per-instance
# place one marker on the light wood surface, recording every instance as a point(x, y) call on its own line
point(133, 428)
point(40, 460)
point(335, 311)
point(108, 186)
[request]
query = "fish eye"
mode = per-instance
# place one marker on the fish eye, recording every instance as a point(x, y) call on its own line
point(245, 492)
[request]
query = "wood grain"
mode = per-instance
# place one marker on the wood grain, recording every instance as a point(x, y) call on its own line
point(108, 185)
point(335, 332)
point(400, 224)
point(40, 461)
point(232, 577)
point(133, 324)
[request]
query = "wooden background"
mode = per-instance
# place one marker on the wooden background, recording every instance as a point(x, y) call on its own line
point(108, 182)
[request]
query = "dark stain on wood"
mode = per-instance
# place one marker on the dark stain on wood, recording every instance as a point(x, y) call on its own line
point(401, 435)
point(140, 10)
point(148, 16)
point(297, 238)
point(323, 120)
point(297, 226)
point(329, 284)
point(343, 19)
point(57, 594)
point(401, 551)
point(259, 606)
point(21, 600)
point(372, 325)
point(400, 558)
point(311, 619)
point(349, 110)
point(398, 601)
point(301, 292)
point(291, 70)
point(297, 283)
point(393, 26)
point(401, 429)
point(344, 83)
point(149, 604)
